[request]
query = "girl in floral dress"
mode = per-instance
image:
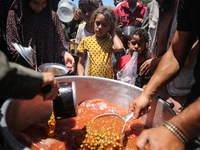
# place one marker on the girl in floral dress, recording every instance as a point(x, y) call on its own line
point(101, 45)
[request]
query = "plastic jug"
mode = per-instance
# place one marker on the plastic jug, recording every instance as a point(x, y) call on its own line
point(66, 10)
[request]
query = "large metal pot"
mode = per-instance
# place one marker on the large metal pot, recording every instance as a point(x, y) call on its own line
point(19, 114)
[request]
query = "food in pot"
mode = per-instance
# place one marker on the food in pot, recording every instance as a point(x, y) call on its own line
point(70, 133)
point(104, 133)
point(51, 125)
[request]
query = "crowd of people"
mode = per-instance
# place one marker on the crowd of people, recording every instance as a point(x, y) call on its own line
point(164, 35)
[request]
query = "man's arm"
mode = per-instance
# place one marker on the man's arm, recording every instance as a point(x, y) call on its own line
point(171, 63)
point(188, 121)
point(167, 70)
point(17, 81)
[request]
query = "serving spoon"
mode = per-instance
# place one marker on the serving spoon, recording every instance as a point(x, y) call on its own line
point(125, 118)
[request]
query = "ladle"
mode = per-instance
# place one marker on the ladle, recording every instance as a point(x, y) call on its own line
point(106, 127)
point(125, 118)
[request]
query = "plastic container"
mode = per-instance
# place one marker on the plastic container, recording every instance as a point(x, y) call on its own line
point(66, 10)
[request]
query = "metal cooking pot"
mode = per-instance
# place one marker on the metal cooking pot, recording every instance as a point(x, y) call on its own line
point(17, 115)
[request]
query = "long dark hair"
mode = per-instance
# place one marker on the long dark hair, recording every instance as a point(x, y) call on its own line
point(108, 13)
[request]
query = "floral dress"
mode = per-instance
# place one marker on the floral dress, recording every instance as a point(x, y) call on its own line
point(100, 56)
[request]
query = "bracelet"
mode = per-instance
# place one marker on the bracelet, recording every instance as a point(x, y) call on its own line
point(176, 131)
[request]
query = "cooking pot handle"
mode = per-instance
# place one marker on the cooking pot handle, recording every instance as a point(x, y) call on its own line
point(171, 105)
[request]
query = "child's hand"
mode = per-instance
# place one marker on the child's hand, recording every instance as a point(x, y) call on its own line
point(149, 65)
point(69, 61)
point(77, 14)
point(112, 32)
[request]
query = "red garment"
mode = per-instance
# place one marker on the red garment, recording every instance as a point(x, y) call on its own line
point(113, 8)
point(122, 61)
point(123, 12)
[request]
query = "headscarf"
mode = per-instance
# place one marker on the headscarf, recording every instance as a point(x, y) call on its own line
point(42, 31)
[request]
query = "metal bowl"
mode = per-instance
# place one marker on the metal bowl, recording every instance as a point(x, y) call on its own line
point(56, 68)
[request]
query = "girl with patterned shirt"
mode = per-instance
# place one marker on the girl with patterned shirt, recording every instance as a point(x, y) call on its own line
point(101, 45)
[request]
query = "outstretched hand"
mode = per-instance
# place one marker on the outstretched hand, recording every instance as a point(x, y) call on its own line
point(149, 65)
point(69, 61)
point(140, 105)
point(158, 138)
point(77, 14)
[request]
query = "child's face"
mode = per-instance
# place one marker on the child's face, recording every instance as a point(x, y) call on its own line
point(87, 11)
point(136, 44)
point(101, 26)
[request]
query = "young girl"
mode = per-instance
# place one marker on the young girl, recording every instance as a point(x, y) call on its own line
point(100, 45)
point(138, 41)
point(87, 8)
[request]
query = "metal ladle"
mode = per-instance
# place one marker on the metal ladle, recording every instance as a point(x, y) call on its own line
point(125, 119)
